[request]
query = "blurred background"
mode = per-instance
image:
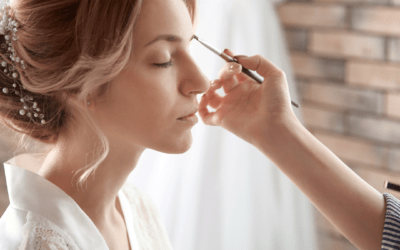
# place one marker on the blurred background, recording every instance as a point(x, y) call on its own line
point(342, 61)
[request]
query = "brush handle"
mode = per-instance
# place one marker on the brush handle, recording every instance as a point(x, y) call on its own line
point(249, 73)
point(259, 80)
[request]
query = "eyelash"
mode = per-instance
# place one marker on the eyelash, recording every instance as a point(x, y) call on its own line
point(164, 65)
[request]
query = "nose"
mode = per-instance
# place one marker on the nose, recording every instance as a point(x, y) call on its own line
point(195, 81)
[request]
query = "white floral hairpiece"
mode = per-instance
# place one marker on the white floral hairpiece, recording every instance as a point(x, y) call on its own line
point(8, 29)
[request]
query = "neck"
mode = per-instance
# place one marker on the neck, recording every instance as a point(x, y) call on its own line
point(97, 197)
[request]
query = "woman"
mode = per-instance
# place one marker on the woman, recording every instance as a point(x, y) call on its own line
point(96, 67)
point(98, 85)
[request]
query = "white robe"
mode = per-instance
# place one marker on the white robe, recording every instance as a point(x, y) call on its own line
point(42, 216)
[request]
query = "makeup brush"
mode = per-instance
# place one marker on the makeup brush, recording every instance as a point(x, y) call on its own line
point(230, 59)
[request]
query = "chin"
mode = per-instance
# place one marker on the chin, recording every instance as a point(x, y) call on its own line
point(176, 146)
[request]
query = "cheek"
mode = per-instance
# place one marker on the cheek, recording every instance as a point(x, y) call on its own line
point(142, 96)
point(150, 94)
point(148, 100)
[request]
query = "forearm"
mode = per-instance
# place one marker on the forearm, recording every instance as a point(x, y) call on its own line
point(352, 205)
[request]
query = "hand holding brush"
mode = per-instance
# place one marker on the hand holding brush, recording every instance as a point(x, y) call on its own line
point(247, 107)
point(227, 58)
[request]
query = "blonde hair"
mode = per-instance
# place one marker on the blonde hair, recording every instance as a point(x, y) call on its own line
point(70, 47)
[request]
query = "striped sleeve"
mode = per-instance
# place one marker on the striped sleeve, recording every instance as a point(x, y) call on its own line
point(391, 229)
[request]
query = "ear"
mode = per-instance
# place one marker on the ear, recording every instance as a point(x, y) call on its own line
point(82, 104)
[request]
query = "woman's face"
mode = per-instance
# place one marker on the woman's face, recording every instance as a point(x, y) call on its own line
point(146, 99)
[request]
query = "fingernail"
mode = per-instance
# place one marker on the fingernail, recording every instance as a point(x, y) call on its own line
point(234, 67)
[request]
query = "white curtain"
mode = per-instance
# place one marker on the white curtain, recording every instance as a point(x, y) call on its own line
point(223, 193)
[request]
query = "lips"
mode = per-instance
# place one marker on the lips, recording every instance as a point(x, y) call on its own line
point(189, 114)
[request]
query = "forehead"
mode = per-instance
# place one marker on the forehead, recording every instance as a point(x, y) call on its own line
point(159, 17)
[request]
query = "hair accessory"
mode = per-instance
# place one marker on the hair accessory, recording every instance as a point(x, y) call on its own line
point(8, 29)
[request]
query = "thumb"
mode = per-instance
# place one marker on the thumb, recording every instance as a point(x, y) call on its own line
point(262, 66)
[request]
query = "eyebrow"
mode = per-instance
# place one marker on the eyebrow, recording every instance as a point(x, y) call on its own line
point(169, 38)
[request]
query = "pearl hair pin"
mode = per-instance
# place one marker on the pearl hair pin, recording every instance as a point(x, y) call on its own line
point(8, 29)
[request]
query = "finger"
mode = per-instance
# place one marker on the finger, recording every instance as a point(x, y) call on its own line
point(208, 118)
point(229, 52)
point(230, 84)
point(240, 77)
point(214, 99)
point(229, 70)
point(216, 84)
point(261, 65)
point(227, 75)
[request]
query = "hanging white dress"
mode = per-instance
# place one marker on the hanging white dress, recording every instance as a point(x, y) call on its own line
point(223, 193)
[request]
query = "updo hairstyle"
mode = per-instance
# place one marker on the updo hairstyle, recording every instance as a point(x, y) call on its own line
point(70, 47)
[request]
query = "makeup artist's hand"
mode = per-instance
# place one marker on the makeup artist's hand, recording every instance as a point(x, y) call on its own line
point(247, 105)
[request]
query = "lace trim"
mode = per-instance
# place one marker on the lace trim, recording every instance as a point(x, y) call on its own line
point(40, 234)
point(149, 227)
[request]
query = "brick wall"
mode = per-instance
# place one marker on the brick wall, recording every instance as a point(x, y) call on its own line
point(346, 57)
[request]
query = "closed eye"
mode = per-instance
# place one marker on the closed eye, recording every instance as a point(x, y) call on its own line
point(164, 65)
